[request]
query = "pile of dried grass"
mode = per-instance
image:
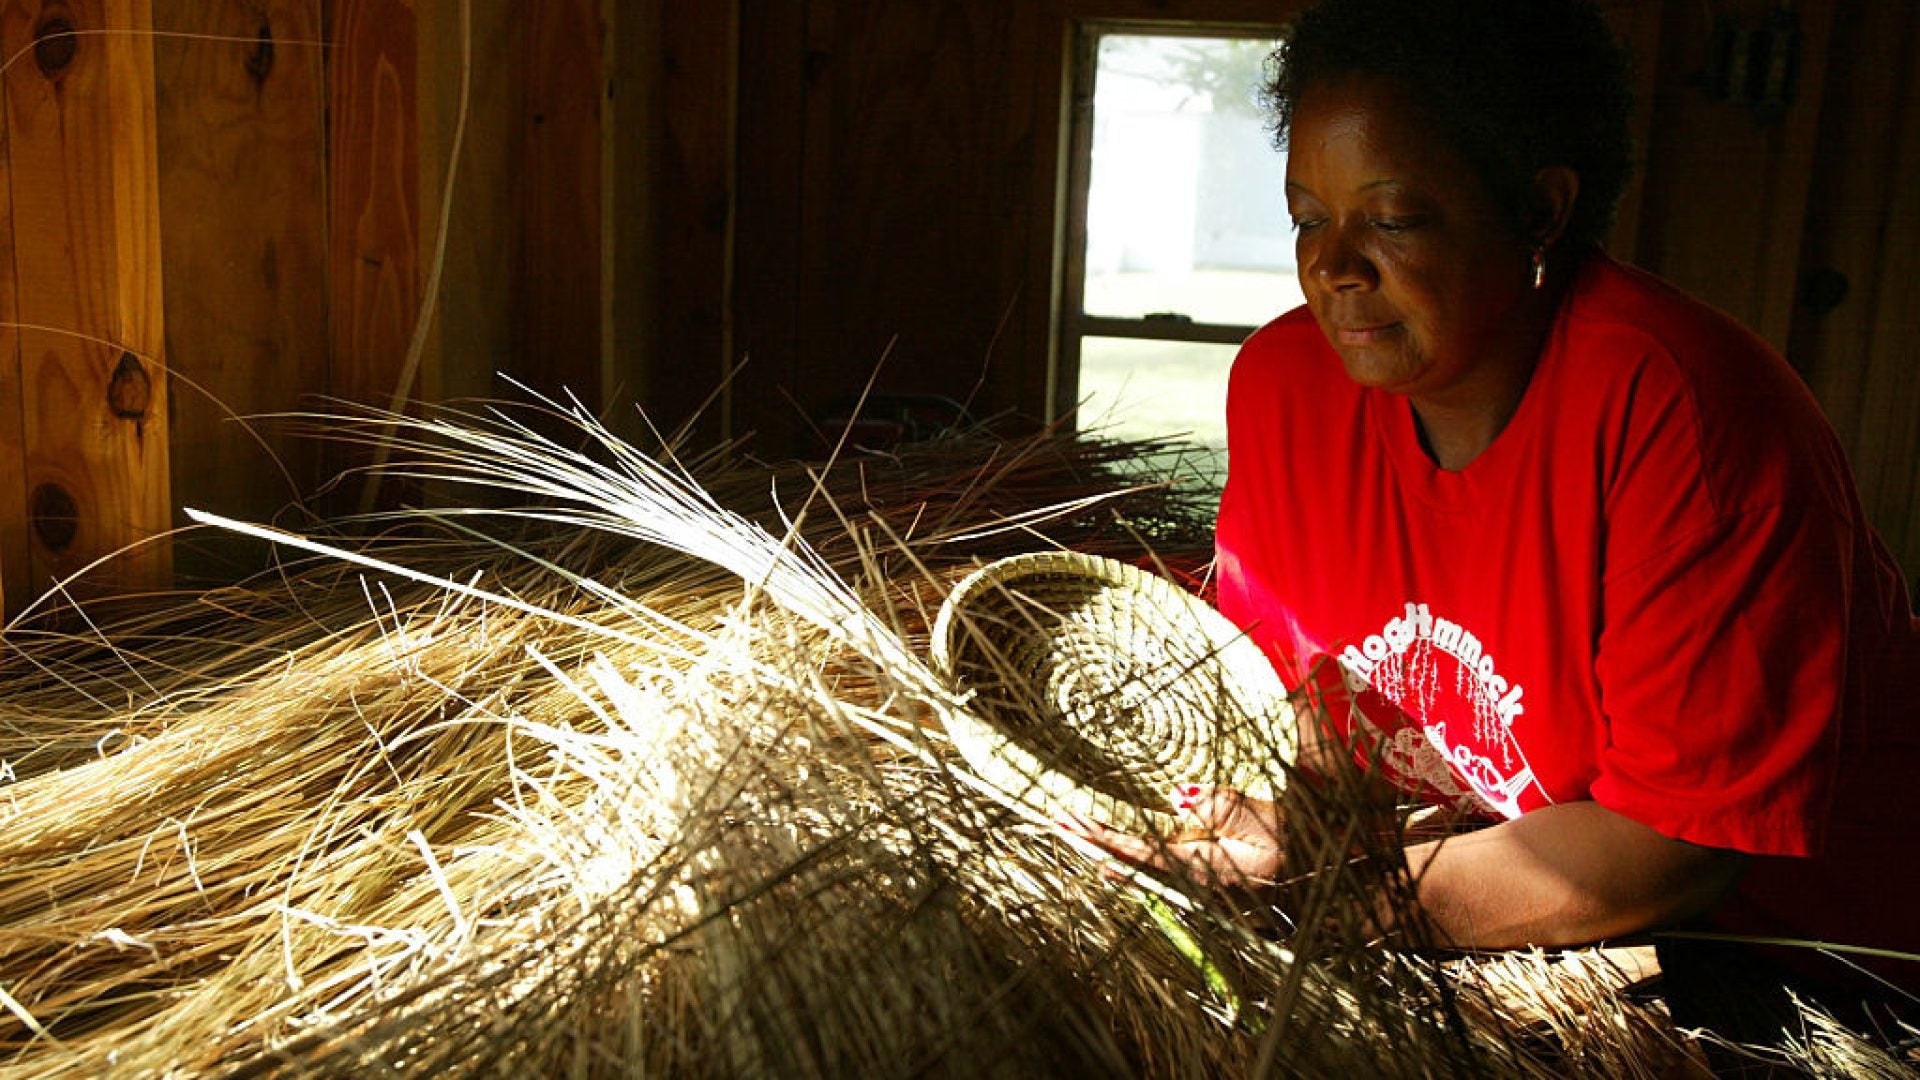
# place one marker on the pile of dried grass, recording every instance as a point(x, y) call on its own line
point(598, 807)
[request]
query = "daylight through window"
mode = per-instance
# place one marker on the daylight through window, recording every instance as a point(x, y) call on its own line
point(1178, 246)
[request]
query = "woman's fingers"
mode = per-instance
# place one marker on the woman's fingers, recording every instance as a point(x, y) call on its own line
point(1139, 850)
point(1225, 812)
point(1214, 860)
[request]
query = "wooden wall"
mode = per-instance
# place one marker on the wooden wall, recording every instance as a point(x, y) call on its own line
point(225, 208)
point(1855, 328)
point(219, 211)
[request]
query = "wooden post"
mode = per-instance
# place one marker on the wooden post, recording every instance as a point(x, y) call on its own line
point(93, 378)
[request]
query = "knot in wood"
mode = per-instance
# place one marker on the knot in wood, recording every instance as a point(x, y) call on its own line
point(56, 517)
point(130, 391)
point(260, 60)
point(55, 44)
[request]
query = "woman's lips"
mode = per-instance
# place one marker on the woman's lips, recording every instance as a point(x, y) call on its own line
point(1364, 335)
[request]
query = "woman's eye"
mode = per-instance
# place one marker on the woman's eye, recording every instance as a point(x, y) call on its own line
point(1302, 224)
point(1395, 224)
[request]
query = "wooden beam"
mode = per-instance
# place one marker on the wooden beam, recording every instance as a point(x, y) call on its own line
point(242, 188)
point(93, 381)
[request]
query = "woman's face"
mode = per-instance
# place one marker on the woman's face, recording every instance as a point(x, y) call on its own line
point(1411, 270)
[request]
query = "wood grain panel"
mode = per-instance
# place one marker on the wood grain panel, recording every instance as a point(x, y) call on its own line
point(914, 203)
point(1637, 24)
point(559, 336)
point(520, 293)
point(1190, 13)
point(373, 202)
point(474, 333)
point(81, 137)
point(242, 188)
point(633, 318)
point(14, 554)
point(1889, 430)
point(778, 70)
point(693, 212)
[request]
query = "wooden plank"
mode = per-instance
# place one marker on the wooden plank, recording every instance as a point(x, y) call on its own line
point(14, 552)
point(912, 215)
point(1637, 24)
point(1850, 238)
point(695, 217)
point(520, 291)
point(474, 333)
point(778, 70)
point(1863, 230)
point(242, 187)
point(1246, 13)
point(1790, 179)
point(373, 204)
point(632, 315)
point(81, 131)
point(559, 336)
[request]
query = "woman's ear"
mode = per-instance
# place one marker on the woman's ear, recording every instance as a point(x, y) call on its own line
point(1555, 189)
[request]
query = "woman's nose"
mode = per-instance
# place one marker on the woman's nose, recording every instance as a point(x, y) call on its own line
point(1339, 264)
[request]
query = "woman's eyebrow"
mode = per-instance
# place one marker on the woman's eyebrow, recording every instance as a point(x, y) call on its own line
point(1383, 182)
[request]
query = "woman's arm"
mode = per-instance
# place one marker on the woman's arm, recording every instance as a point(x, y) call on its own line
point(1566, 875)
point(1562, 875)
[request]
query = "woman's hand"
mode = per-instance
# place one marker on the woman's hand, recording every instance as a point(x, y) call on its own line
point(1228, 841)
point(1569, 874)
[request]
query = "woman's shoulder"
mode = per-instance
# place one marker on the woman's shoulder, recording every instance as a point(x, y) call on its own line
point(1671, 368)
point(1626, 305)
point(1627, 326)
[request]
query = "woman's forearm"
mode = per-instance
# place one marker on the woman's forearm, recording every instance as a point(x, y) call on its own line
point(1565, 875)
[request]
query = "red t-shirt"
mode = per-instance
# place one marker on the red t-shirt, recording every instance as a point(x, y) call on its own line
point(1655, 589)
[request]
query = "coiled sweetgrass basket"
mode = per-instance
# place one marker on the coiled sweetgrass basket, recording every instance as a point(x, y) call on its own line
point(1095, 688)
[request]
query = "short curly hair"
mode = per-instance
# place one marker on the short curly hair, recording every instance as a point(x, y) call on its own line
point(1515, 85)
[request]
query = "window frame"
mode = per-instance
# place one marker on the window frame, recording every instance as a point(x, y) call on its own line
point(1072, 324)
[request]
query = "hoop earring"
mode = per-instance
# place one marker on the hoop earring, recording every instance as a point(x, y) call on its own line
point(1539, 267)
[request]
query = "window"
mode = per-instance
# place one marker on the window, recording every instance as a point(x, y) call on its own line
point(1177, 241)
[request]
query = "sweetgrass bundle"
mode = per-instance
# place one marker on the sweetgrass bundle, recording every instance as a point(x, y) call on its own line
point(617, 765)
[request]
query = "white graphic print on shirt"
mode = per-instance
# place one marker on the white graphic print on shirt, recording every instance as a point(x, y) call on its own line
point(1460, 741)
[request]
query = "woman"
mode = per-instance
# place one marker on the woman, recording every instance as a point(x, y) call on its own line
point(1583, 551)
